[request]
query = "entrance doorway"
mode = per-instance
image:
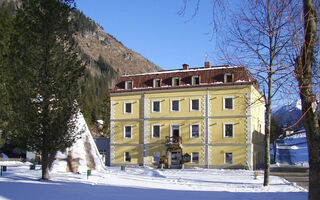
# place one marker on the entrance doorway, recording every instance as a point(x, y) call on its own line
point(174, 158)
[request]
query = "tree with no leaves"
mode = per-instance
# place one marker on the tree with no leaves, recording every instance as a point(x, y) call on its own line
point(267, 26)
point(257, 37)
point(305, 66)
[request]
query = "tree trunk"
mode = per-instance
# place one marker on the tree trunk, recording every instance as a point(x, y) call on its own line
point(267, 145)
point(308, 99)
point(45, 166)
point(269, 98)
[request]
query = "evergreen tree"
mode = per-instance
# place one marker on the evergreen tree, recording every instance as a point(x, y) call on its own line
point(94, 90)
point(106, 115)
point(6, 18)
point(42, 85)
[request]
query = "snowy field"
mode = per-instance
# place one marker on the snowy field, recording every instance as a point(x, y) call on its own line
point(143, 183)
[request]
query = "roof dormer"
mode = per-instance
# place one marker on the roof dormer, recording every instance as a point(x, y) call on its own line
point(195, 80)
point(228, 78)
point(175, 81)
point(129, 85)
point(156, 82)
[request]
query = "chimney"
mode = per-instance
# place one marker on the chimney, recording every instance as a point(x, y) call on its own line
point(207, 64)
point(185, 66)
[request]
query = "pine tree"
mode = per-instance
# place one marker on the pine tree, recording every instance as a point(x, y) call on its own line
point(43, 74)
point(6, 18)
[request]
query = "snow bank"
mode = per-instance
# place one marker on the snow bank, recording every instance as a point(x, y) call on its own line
point(82, 155)
point(142, 183)
point(14, 163)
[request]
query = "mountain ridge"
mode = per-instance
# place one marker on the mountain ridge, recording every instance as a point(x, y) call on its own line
point(96, 42)
point(289, 114)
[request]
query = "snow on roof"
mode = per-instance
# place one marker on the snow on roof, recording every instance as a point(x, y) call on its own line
point(208, 76)
point(184, 70)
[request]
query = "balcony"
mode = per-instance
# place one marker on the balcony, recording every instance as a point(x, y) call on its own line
point(174, 140)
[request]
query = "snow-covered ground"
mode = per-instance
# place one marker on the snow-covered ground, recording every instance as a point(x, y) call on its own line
point(145, 183)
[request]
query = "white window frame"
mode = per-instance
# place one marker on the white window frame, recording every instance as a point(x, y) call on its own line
point(153, 106)
point(225, 78)
point(126, 85)
point(171, 129)
point(154, 82)
point(225, 158)
point(125, 160)
point(153, 125)
point(193, 81)
point(124, 108)
point(191, 105)
point(197, 124)
point(171, 105)
point(153, 156)
point(224, 129)
point(224, 103)
point(124, 132)
point(193, 156)
point(172, 81)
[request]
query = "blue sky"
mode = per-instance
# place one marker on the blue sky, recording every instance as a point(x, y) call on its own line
point(154, 29)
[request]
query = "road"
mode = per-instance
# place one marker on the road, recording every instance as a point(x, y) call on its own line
point(301, 178)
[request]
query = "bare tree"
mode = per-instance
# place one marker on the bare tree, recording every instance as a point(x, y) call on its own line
point(304, 70)
point(257, 37)
point(263, 27)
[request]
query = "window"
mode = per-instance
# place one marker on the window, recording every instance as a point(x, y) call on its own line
point(127, 132)
point(175, 130)
point(195, 80)
point(156, 82)
point(127, 157)
point(194, 131)
point(228, 130)
point(228, 78)
point(175, 81)
point(175, 105)
point(128, 85)
point(195, 157)
point(155, 106)
point(228, 158)
point(127, 108)
point(228, 103)
point(156, 156)
point(155, 131)
point(194, 105)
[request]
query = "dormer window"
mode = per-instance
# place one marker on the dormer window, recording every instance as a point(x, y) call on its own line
point(128, 85)
point(156, 83)
point(195, 80)
point(175, 81)
point(228, 78)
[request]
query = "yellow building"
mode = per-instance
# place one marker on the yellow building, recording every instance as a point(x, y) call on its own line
point(213, 115)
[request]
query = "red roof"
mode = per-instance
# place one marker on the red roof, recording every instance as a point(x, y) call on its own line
point(208, 77)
